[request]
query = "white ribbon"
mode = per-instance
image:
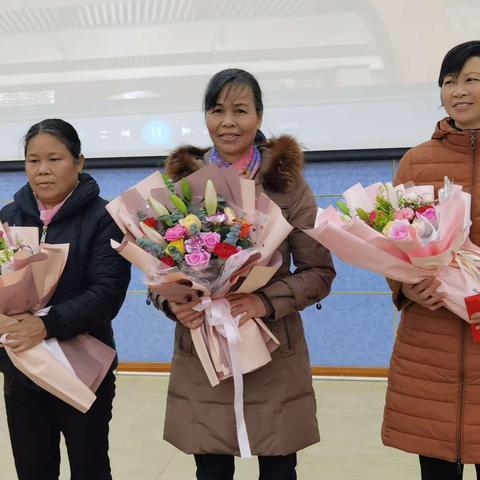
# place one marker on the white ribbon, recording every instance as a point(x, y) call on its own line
point(219, 315)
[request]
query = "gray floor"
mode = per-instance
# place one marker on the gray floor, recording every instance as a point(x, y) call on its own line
point(349, 412)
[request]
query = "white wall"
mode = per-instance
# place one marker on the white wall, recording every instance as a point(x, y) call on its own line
point(130, 74)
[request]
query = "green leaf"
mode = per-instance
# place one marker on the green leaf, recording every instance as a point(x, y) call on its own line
point(179, 203)
point(363, 215)
point(343, 207)
point(186, 190)
point(165, 177)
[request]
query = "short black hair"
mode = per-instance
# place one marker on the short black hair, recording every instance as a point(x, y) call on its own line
point(60, 129)
point(232, 76)
point(457, 57)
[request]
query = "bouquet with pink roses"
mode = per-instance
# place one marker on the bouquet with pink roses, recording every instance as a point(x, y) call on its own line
point(196, 237)
point(406, 234)
point(203, 238)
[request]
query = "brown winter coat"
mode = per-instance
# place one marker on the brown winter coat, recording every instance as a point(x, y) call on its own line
point(433, 398)
point(279, 400)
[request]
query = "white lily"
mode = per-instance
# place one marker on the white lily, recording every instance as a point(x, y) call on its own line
point(211, 201)
point(230, 215)
point(152, 235)
point(159, 208)
point(392, 195)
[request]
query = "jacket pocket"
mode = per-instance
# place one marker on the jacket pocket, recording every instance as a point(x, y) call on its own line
point(282, 329)
point(183, 341)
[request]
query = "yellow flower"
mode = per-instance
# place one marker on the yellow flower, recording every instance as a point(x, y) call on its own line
point(190, 220)
point(178, 244)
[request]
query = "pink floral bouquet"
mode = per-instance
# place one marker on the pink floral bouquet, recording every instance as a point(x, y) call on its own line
point(71, 369)
point(197, 238)
point(203, 238)
point(400, 214)
point(406, 234)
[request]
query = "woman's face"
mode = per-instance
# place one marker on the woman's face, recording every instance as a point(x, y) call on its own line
point(233, 122)
point(51, 169)
point(461, 95)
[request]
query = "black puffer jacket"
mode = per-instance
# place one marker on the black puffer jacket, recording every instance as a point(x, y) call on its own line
point(94, 282)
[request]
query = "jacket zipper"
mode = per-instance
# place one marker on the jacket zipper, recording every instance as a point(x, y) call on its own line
point(44, 234)
point(473, 190)
point(473, 185)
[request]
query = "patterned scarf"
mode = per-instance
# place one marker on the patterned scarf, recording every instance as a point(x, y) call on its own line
point(248, 165)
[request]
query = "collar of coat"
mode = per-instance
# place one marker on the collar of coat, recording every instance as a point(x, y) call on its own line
point(85, 192)
point(282, 163)
point(460, 139)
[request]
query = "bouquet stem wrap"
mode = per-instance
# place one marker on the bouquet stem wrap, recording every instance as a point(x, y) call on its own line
point(218, 314)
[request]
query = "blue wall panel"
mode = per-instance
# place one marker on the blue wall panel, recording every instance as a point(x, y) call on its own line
point(356, 325)
point(351, 330)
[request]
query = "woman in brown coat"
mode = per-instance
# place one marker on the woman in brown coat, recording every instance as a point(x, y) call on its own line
point(433, 398)
point(279, 399)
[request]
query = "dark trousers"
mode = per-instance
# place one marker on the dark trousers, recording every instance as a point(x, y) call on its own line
point(436, 469)
point(222, 467)
point(36, 418)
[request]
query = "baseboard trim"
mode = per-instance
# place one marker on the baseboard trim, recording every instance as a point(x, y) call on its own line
point(149, 367)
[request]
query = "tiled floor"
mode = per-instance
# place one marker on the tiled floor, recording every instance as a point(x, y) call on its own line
point(350, 415)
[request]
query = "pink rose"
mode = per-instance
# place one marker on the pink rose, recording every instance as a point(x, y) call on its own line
point(198, 259)
point(175, 233)
point(399, 231)
point(404, 214)
point(429, 213)
point(210, 239)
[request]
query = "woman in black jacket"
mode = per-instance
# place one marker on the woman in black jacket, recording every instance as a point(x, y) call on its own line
point(65, 204)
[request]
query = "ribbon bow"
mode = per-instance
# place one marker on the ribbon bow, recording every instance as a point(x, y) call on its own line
point(219, 315)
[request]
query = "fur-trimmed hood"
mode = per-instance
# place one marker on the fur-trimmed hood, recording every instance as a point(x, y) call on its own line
point(282, 162)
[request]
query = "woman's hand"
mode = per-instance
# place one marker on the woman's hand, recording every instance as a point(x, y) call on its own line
point(425, 293)
point(186, 315)
point(28, 331)
point(6, 323)
point(248, 304)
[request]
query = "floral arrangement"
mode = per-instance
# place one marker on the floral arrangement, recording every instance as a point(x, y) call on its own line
point(407, 233)
point(6, 253)
point(193, 235)
point(399, 214)
point(9, 249)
